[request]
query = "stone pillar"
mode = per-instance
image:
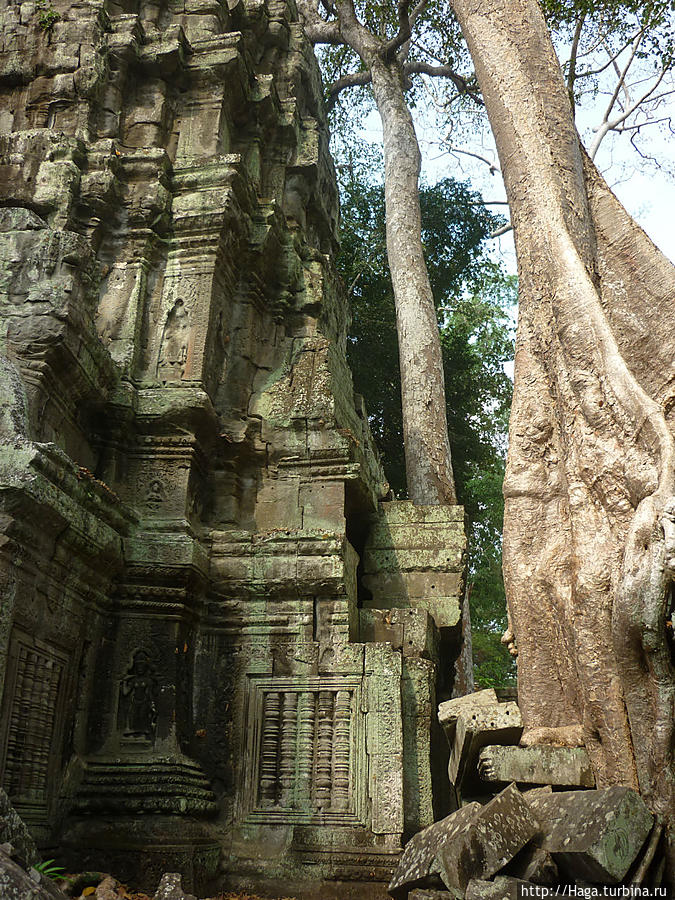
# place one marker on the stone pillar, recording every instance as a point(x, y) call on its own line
point(414, 570)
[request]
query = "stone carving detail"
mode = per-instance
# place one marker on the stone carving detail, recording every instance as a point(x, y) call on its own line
point(324, 768)
point(307, 757)
point(138, 696)
point(156, 494)
point(269, 750)
point(288, 747)
point(173, 350)
point(168, 215)
point(341, 751)
point(37, 682)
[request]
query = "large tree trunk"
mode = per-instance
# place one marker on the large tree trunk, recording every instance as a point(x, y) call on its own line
point(425, 430)
point(588, 531)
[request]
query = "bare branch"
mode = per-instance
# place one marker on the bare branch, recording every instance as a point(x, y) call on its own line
point(403, 35)
point(614, 124)
point(418, 67)
point(498, 232)
point(622, 74)
point(612, 56)
point(317, 29)
point(572, 74)
point(353, 79)
point(494, 168)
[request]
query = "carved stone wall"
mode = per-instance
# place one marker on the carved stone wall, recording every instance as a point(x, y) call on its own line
point(199, 673)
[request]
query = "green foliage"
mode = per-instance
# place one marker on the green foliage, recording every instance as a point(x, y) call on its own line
point(47, 15)
point(609, 26)
point(47, 868)
point(473, 296)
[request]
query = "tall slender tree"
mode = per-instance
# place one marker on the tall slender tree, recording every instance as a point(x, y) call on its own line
point(385, 64)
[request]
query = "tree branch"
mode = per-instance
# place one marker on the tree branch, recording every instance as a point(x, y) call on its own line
point(417, 67)
point(318, 30)
point(403, 35)
point(417, 11)
point(572, 74)
point(494, 168)
point(353, 79)
point(355, 34)
point(613, 124)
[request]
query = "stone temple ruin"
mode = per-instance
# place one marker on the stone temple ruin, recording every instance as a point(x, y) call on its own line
point(220, 644)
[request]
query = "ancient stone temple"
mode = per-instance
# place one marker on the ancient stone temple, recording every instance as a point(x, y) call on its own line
point(220, 649)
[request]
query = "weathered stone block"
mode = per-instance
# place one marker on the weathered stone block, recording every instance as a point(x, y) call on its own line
point(414, 556)
point(491, 840)
point(171, 888)
point(594, 835)
point(450, 710)
point(18, 884)
point(419, 865)
point(535, 864)
point(411, 630)
point(565, 766)
point(471, 723)
point(502, 888)
point(430, 895)
point(14, 832)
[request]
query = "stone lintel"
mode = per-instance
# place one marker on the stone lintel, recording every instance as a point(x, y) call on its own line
point(564, 766)
point(472, 724)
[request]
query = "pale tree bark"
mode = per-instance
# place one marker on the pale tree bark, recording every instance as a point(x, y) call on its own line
point(429, 473)
point(589, 542)
point(425, 430)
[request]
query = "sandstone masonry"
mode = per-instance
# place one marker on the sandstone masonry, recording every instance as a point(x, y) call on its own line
point(220, 649)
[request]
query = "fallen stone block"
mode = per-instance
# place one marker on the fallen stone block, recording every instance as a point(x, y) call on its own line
point(502, 888)
point(534, 864)
point(561, 766)
point(450, 710)
point(419, 865)
point(171, 888)
point(492, 838)
point(14, 832)
point(18, 884)
point(593, 835)
point(110, 889)
point(471, 723)
point(430, 895)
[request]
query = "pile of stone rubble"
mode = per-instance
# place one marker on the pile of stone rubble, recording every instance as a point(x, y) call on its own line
point(526, 816)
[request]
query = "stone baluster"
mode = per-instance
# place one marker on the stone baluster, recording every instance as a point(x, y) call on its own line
point(269, 756)
point(324, 756)
point(28, 760)
point(305, 748)
point(341, 728)
point(17, 749)
point(289, 727)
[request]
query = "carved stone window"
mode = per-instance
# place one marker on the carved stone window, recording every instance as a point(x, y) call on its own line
point(305, 751)
point(32, 712)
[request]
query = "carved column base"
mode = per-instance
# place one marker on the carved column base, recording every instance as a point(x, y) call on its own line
point(140, 849)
